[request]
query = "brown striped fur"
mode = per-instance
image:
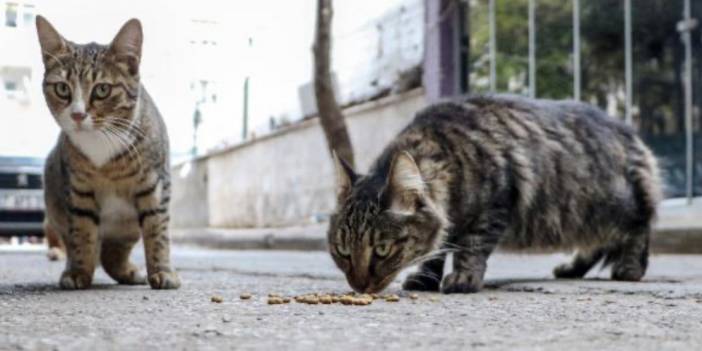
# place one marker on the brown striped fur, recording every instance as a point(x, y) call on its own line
point(466, 177)
point(107, 181)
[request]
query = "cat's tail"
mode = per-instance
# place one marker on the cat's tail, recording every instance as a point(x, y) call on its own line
point(56, 250)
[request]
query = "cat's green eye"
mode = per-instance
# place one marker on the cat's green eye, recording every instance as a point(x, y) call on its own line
point(62, 90)
point(102, 91)
point(382, 250)
point(343, 250)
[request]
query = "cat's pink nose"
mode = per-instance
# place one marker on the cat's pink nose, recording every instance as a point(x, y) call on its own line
point(78, 117)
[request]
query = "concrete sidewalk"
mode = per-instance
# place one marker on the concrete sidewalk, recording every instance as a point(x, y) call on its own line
point(678, 230)
point(310, 237)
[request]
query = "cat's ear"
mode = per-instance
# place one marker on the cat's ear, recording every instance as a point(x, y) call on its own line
point(126, 46)
point(50, 40)
point(345, 177)
point(405, 186)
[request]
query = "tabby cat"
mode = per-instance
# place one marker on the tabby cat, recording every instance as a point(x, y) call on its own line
point(466, 177)
point(107, 180)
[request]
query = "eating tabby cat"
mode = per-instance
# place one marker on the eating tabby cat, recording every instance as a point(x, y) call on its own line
point(468, 176)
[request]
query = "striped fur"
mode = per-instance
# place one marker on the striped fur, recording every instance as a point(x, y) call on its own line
point(497, 171)
point(107, 181)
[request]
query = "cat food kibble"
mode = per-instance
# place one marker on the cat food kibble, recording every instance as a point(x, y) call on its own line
point(245, 296)
point(312, 300)
point(275, 301)
point(217, 299)
point(346, 300)
point(360, 301)
point(325, 299)
point(392, 298)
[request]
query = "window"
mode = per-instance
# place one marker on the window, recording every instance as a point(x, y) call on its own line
point(10, 86)
point(11, 14)
point(28, 15)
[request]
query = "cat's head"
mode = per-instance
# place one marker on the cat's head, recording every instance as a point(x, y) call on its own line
point(91, 88)
point(383, 223)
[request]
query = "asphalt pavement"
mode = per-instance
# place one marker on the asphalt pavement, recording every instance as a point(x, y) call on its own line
point(522, 307)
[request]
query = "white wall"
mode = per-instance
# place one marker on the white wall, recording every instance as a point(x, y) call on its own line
point(286, 178)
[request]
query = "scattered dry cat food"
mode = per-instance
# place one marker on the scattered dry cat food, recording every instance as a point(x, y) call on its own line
point(360, 301)
point(326, 299)
point(348, 299)
point(275, 301)
point(217, 299)
point(245, 296)
point(312, 300)
point(392, 298)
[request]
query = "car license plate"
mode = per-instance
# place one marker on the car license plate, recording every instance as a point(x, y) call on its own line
point(21, 200)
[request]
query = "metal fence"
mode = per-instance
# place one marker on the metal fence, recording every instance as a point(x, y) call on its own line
point(637, 60)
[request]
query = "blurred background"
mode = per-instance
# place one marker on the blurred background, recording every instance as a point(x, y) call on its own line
point(234, 82)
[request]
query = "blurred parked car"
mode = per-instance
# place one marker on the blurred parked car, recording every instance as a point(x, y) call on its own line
point(21, 196)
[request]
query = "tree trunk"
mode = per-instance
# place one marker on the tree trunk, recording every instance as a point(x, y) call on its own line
point(330, 115)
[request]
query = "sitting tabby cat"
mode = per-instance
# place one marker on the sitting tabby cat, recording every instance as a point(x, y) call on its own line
point(496, 171)
point(107, 179)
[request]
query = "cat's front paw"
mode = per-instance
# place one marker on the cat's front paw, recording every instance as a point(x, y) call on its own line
point(75, 279)
point(420, 281)
point(462, 283)
point(164, 280)
point(568, 271)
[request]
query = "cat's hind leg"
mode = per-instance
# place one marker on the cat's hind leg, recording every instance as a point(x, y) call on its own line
point(114, 257)
point(429, 275)
point(583, 261)
point(630, 259)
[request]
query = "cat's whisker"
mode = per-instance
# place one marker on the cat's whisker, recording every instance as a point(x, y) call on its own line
point(110, 143)
point(461, 248)
point(422, 274)
point(120, 143)
point(132, 151)
point(429, 256)
point(117, 142)
point(127, 126)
